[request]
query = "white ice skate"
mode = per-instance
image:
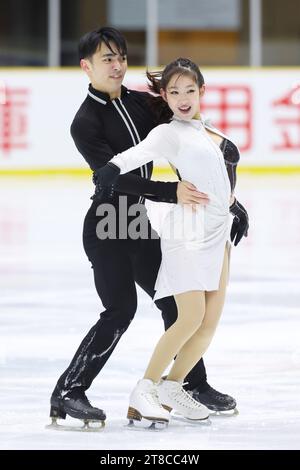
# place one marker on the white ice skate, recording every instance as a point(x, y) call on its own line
point(144, 405)
point(173, 396)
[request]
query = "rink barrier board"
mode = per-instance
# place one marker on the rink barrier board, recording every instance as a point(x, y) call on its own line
point(242, 100)
point(85, 172)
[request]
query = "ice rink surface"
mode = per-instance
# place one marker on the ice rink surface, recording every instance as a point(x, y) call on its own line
point(48, 303)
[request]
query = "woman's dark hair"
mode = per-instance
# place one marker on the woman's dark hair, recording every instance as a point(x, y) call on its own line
point(90, 42)
point(158, 80)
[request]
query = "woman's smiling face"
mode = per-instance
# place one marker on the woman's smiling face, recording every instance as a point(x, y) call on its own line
point(183, 96)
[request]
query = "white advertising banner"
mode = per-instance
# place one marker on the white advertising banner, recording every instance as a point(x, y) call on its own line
point(258, 108)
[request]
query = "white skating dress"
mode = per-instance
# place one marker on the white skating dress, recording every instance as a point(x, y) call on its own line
point(192, 242)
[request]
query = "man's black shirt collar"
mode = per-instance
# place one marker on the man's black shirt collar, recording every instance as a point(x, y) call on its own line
point(102, 97)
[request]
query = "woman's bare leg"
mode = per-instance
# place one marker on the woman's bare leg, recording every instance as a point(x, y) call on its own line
point(196, 346)
point(188, 321)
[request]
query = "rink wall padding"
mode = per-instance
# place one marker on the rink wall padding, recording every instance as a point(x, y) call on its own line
point(259, 108)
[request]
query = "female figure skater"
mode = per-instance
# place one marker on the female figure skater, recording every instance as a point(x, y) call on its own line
point(194, 240)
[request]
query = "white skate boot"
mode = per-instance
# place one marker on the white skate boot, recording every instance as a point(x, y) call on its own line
point(173, 396)
point(144, 404)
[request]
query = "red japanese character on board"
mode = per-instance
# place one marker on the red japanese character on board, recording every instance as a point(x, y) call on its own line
point(230, 109)
point(13, 118)
point(287, 120)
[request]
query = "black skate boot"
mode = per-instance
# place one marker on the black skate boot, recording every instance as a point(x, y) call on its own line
point(76, 405)
point(215, 401)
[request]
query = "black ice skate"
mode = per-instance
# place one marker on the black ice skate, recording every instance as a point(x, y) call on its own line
point(77, 406)
point(217, 402)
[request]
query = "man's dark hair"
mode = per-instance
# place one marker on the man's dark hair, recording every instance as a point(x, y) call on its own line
point(90, 42)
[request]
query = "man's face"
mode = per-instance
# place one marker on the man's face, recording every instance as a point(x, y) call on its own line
point(106, 69)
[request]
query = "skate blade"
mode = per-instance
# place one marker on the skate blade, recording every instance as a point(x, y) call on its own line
point(197, 422)
point(146, 425)
point(225, 413)
point(88, 426)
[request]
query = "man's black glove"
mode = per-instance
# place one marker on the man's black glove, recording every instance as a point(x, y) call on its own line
point(240, 222)
point(104, 179)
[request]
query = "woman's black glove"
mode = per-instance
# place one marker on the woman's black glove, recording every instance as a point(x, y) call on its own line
point(240, 222)
point(104, 179)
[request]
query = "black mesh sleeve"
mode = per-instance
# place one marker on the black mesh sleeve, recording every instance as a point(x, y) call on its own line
point(231, 158)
